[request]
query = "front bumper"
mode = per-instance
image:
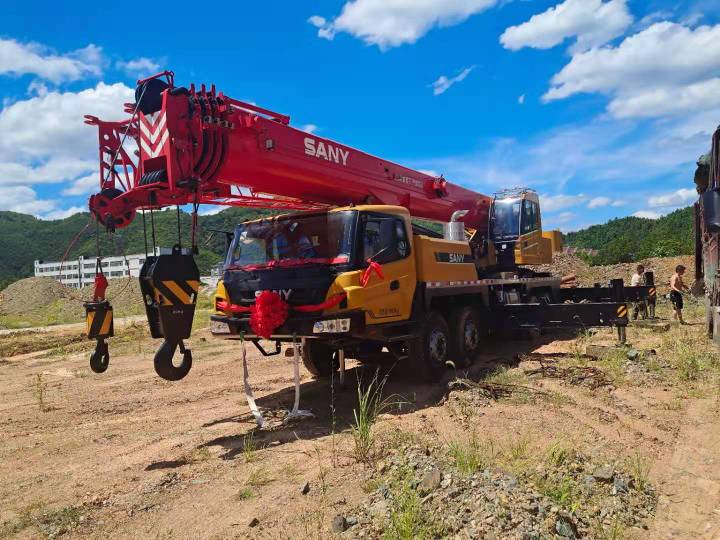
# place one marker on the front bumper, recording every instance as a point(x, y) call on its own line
point(231, 327)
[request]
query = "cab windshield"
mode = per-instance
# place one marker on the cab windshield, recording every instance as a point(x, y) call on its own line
point(506, 219)
point(293, 241)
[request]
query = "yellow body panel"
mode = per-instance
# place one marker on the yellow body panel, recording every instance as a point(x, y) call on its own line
point(556, 241)
point(429, 268)
point(532, 248)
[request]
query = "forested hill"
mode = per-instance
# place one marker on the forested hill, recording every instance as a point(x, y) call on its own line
point(631, 238)
point(25, 238)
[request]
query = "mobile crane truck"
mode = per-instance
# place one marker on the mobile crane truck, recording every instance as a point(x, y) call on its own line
point(350, 272)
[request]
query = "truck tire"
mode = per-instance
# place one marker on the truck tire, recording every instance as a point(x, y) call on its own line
point(319, 359)
point(465, 336)
point(430, 351)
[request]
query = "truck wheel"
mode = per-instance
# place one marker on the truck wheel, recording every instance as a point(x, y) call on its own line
point(465, 335)
point(432, 347)
point(319, 359)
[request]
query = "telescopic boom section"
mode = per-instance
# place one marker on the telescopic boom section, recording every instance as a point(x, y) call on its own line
point(200, 146)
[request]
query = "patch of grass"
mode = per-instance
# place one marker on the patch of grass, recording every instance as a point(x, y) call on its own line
point(504, 376)
point(249, 448)
point(259, 477)
point(562, 489)
point(558, 454)
point(39, 389)
point(612, 364)
point(639, 470)
point(244, 494)
point(371, 485)
point(200, 454)
point(472, 456)
point(371, 405)
point(58, 522)
point(517, 453)
point(408, 520)
point(616, 531)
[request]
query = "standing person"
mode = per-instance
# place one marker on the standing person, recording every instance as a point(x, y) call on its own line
point(638, 280)
point(676, 289)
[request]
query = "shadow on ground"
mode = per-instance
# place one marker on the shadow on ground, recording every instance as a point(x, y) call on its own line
point(326, 399)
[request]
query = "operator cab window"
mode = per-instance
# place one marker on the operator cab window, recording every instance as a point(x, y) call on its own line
point(384, 239)
point(530, 217)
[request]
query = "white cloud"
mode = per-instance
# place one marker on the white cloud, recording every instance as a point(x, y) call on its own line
point(31, 58)
point(45, 140)
point(443, 84)
point(139, 66)
point(309, 128)
point(666, 69)
point(681, 197)
point(591, 22)
point(553, 203)
point(54, 170)
point(53, 124)
point(62, 213)
point(599, 158)
point(665, 101)
point(24, 200)
point(599, 202)
point(391, 23)
point(648, 214)
point(83, 186)
point(521, 99)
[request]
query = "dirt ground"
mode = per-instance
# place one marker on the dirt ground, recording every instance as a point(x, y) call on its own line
point(125, 454)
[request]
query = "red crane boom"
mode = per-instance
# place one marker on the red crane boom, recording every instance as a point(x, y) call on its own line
point(200, 146)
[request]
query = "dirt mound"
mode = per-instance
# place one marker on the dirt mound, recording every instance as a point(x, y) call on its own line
point(40, 301)
point(565, 264)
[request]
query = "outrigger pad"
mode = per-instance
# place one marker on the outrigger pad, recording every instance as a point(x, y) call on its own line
point(99, 318)
point(169, 284)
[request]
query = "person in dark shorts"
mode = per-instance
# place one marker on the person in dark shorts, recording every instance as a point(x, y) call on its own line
point(677, 287)
point(638, 280)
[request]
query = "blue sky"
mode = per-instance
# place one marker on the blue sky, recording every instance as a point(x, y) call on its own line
point(603, 106)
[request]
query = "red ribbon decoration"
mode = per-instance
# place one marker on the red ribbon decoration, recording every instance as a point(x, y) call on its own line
point(270, 311)
point(372, 267)
point(101, 284)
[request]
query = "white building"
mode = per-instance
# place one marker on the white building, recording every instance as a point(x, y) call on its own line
point(80, 272)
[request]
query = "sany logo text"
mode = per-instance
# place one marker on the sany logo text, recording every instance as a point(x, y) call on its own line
point(284, 293)
point(325, 151)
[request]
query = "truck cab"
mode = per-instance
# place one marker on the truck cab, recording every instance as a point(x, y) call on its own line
point(516, 230)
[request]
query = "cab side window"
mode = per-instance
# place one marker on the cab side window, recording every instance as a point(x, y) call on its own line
point(384, 239)
point(530, 217)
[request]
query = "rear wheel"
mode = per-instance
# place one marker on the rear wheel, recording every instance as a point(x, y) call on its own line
point(465, 336)
point(431, 349)
point(319, 358)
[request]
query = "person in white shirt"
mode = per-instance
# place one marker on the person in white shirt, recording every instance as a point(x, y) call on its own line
point(638, 280)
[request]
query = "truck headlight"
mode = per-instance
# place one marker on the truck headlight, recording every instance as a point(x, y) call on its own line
point(332, 326)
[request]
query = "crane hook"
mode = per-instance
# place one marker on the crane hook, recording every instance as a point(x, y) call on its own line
point(164, 366)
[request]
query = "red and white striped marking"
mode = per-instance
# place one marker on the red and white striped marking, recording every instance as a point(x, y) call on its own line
point(437, 284)
point(153, 134)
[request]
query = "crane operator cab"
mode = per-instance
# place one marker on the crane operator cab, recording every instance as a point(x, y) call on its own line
point(516, 230)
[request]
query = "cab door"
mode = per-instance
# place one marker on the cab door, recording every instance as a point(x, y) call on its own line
point(529, 247)
point(386, 240)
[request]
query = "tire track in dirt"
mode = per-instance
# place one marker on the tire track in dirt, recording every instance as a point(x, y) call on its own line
point(690, 505)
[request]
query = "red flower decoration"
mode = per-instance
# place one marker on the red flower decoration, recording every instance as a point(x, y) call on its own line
point(269, 312)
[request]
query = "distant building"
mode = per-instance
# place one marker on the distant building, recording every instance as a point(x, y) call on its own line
point(80, 272)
